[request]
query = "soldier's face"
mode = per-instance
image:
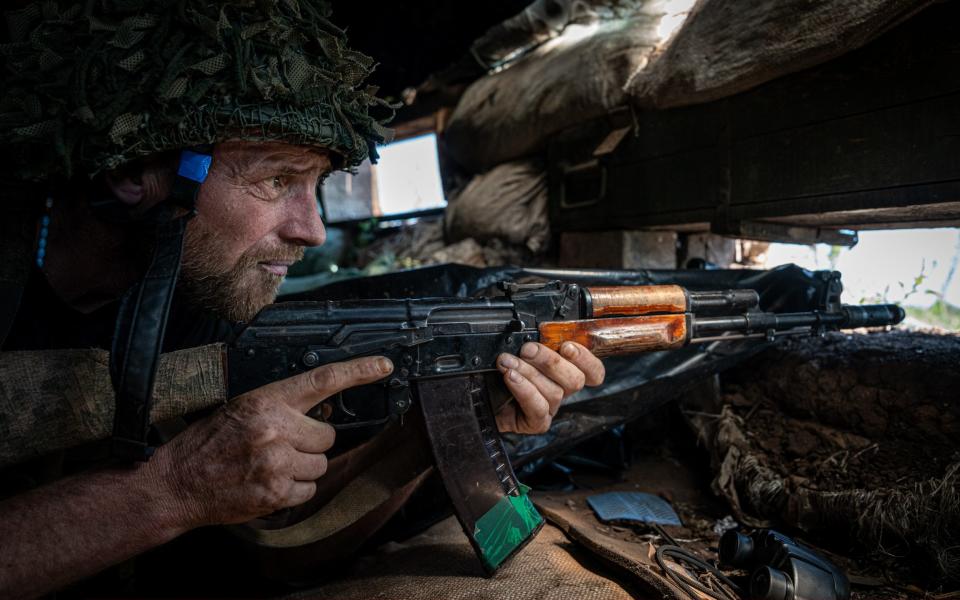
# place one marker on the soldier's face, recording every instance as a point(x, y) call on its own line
point(256, 212)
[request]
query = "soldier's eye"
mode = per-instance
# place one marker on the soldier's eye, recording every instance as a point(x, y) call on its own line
point(278, 182)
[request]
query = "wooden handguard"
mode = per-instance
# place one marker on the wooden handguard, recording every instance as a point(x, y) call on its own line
point(623, 335)
point(636, 300)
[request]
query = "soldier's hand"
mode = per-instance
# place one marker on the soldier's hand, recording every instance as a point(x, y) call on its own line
point(260, 453)
point(540, 379)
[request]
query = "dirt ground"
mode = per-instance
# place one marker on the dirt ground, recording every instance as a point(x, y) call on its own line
point(869, 421)
point(855, 439)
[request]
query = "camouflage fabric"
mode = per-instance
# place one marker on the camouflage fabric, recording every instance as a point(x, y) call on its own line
point(90, 87)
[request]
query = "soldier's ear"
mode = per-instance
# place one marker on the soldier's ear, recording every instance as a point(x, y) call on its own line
point(142, 184)
point(126, 186)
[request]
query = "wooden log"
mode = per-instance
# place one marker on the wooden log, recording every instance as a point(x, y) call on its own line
point(726, 47)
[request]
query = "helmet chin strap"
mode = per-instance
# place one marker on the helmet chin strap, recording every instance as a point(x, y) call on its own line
point(142, 318)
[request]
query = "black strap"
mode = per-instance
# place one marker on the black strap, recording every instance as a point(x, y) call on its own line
point(138, 338)
point(10, 295)
point(142, 318)
point(18, 222)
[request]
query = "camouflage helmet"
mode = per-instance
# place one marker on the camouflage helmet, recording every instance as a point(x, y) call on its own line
point(94, 85)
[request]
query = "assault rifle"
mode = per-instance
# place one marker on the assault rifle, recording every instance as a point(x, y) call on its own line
point(443, 347)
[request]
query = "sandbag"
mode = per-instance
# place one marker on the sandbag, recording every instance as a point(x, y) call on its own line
point(507, 202)
point(573, 77)
point(439, 563)
point(540, 21)
point(729, 46)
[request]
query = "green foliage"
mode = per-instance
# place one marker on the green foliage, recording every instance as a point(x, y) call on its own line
point(884, 297)
point(940, 314)
point(834, 256)
point(366, 232)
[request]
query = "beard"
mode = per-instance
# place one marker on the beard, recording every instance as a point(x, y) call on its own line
point(235, 292)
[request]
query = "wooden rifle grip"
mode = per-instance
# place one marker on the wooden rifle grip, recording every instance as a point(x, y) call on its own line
point(625, 335)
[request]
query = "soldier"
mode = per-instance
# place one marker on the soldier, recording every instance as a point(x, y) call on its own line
point(107, 108)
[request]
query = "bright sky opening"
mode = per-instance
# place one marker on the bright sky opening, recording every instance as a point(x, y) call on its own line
point(908, 266)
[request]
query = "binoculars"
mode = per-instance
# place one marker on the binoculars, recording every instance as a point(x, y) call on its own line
point(782, 569)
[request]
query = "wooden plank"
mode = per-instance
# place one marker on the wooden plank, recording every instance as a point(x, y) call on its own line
point(877, 129)
point(910, 63)
point(911, 144)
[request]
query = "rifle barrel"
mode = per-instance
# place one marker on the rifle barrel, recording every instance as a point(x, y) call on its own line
point(849, 317)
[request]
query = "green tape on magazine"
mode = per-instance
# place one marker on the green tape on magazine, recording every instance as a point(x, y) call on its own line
point(505, 527)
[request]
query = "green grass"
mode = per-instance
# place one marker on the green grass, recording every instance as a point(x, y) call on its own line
point(941, 314)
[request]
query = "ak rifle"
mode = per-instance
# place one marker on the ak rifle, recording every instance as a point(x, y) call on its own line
point(443, 349)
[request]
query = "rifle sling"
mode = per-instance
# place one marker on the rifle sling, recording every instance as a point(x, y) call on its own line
point(361, 490)
point(18, 222)
point(142, 318)
point(138, 340)
point(365, 492)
